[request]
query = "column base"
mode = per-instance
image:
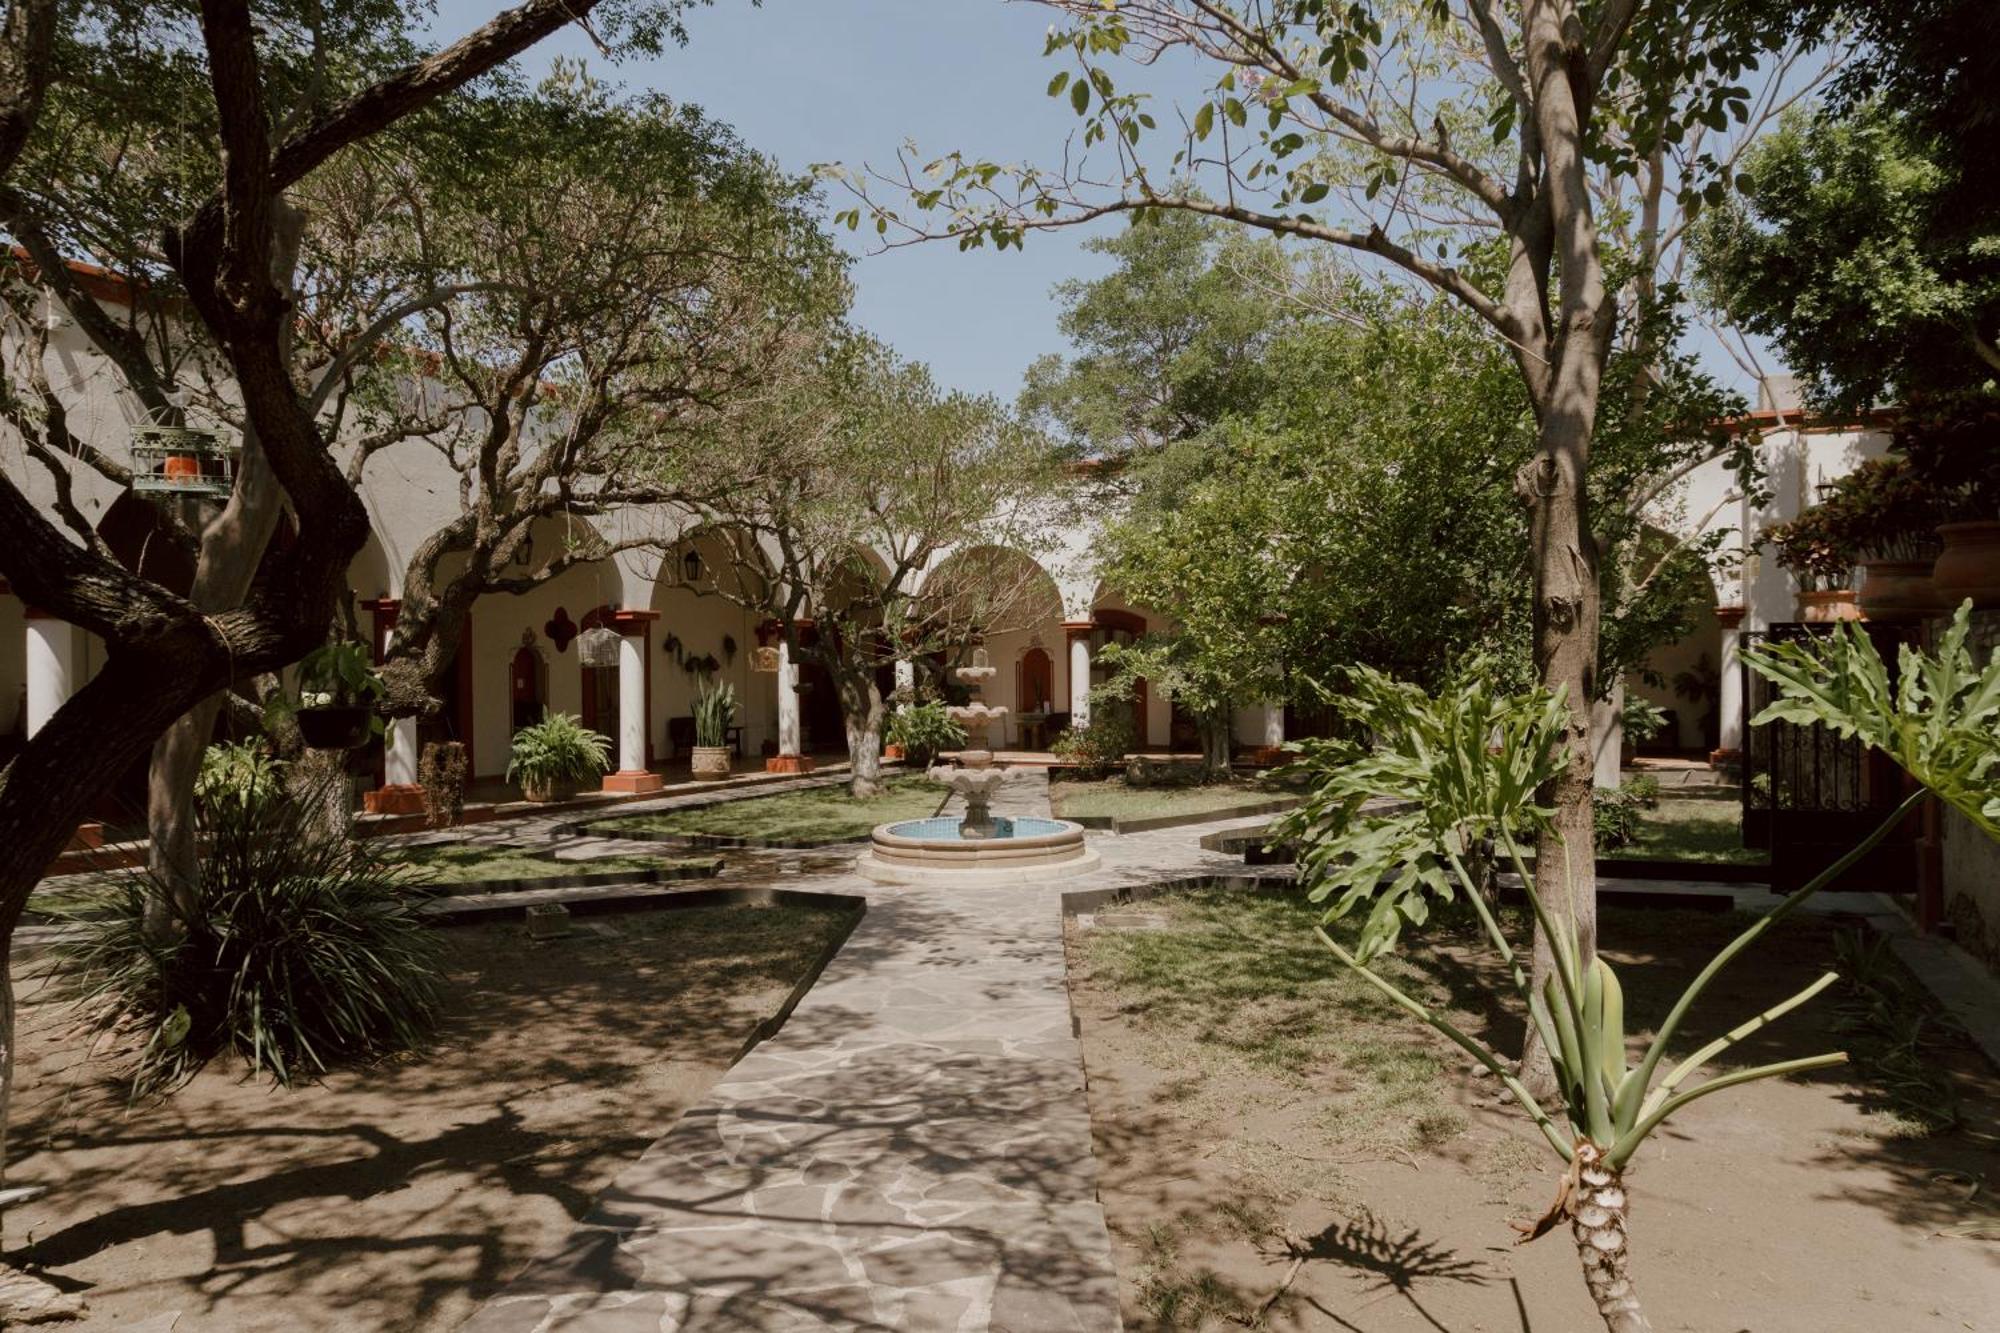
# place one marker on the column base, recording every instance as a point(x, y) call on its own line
point(789, 763)
point(397, 798)
point(1726, 758)
point(1262, 756)
point(630, 782)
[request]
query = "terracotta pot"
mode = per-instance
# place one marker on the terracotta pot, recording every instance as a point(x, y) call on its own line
point(1969, 566)
point(544, 793)
point(1828, 605)
point(709, 762)
point(342, 727)
point(1897, 592)
point(892, 752)
point(181, 467)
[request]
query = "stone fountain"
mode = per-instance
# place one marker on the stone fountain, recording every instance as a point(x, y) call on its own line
point(977, 848)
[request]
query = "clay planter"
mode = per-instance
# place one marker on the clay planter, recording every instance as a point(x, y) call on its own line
point(709, 762)
point(1969, 566)
point(1897, 592)
point(342, 727)
point(892, 752)
point(1827, 606)
point(546, 793)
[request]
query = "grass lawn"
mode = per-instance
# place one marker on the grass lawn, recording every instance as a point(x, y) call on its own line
point(459, 862)
point(1688, 829)
point(818, 814)
point(1113, 798)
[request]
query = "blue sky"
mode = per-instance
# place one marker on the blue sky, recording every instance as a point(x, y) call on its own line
point(849, 81)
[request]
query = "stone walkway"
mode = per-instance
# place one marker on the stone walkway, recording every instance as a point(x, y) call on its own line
point(912, 1151)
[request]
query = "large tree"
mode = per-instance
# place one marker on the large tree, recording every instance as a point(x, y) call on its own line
point(1421, 135)
point(842, 492)
point(164, 652)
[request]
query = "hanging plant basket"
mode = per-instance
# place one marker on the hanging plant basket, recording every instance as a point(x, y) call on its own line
point(333, 727)
point(598, 647)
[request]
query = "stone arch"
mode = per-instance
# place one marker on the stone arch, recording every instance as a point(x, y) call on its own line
point(1008, 601)
point(703, 608)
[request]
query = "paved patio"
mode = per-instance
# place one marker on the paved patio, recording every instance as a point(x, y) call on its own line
point(912, 1150)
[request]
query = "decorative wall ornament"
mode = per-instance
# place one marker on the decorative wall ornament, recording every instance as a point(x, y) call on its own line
point(560, 629)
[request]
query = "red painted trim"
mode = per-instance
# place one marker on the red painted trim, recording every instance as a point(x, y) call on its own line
point(632, 622)
point(789, 763)
point(1729, 617)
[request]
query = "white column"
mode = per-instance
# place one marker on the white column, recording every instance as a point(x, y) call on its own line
point(399, 758)
point(906, 675)
point(632, 703)
point(1079, 676)
point(1274, 725)
point(1729, 694)
point(54, 668)
point(1607, 736)
point(788, 702)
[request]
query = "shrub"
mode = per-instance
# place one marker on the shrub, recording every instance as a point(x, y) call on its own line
point(1643, 789)
point(1101, 747)
point(1616, 819)
point(293, 951)
point(714, 712)
point(559, 751)
point(238, 772)
point(441, 772)
point(923, 730)
point(1641, 719)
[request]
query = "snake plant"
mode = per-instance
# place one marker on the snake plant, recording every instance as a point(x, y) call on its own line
point(1465, 767)
point(714, 712)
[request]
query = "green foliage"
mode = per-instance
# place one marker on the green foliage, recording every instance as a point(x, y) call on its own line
point(1641, 719)
point(558, 751)
point(1883, 510)
point(1836, 255)
point(293, 952)
point(1897, 1033)
point(714, 714)
point(1940, 721)
point(1101, 747)
point(1642, 789)
point(236, 773)
point(923, 730)
point(1468, 754)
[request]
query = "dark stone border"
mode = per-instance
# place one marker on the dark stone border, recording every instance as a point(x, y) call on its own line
point(707, 869)
point(707, 842)
point(1152, 823)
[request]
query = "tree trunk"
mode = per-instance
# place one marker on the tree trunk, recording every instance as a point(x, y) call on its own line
point(1598, 1221)
point(1215, 744)
point(319, 782)
point(862, 713)
point(1565, 647)
point(231, 548)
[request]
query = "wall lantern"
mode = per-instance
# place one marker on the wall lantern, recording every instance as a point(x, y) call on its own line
point(691, 567)
point(183, 461)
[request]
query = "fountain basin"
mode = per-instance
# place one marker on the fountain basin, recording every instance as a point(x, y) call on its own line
point(932, 851)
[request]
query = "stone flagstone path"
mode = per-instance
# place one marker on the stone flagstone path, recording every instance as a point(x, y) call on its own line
point(911, 1151)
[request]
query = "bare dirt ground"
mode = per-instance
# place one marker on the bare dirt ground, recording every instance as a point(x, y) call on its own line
point(401, 1195)
point(1244, 1138)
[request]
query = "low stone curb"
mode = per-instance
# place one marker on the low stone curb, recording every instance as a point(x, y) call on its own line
point(709, 842)
point(1153, 823)
point(707, 869)
point(614, 898)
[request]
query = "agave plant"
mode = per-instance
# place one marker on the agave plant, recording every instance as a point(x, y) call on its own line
point(1464, 768)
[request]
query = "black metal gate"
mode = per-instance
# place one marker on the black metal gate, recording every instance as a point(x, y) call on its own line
point(1809, 796)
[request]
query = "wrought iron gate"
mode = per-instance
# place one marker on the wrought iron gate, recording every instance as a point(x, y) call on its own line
point(1809, 796)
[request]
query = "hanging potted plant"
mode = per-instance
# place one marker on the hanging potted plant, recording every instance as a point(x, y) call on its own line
point(1955, 448)
point(552, 758)
point(714, 714)
point(338, 691)
point(1815, 555)
point(1887, 516)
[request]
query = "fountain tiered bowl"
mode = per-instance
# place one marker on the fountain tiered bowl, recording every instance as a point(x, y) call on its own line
point(979, 847)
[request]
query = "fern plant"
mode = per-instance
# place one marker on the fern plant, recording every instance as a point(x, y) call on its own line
point(1464, 768)
point(556, 753)
point(714, 714)
point(923, 730)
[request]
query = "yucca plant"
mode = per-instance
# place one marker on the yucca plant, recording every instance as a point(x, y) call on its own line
point(293, 952)
point(556, 754)
point(714, 713)
point(1469, 763)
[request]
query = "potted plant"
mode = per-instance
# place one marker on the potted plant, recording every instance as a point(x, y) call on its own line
point(1887, 515)
point(1640, 720)
point(552, 758)
point(714, 714)
point(1815, 554)
point(921, 731)
point(1955, 447)
point(338, 690)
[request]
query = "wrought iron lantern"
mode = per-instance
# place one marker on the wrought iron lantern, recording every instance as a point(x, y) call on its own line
point(598, 647)
point(183, 460)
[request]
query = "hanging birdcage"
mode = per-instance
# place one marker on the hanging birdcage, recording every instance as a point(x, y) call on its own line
point(598, 647)
point(183, 460)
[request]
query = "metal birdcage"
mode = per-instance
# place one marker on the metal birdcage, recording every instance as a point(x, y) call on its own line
point(182, 461)
point(598, 647)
